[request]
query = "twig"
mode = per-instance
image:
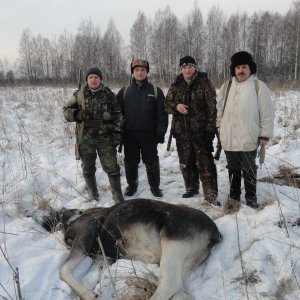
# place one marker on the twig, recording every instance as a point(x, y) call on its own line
point(107, 266)
point(240, 253)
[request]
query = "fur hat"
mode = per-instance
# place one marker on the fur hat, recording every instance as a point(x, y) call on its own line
point(93, 70)
point(242, 58)
point(187, 60)
point(139, 63)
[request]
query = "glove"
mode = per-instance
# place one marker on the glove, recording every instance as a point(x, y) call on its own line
point(116, 139)
point(209, 136)
point(82, 115)
point(160, 139)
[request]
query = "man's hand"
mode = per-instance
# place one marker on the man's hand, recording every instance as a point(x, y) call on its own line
point(182, 108)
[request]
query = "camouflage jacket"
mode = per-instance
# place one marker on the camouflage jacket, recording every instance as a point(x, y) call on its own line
point(200, 97)
point(103, 108)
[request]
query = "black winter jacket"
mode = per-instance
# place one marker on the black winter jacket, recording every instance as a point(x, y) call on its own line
point(141, 110)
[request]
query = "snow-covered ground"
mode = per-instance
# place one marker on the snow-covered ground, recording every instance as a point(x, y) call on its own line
point(256, 260)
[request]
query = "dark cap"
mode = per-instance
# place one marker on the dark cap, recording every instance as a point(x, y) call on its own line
point(93, 70)
point(242, 58)
point(187, 60)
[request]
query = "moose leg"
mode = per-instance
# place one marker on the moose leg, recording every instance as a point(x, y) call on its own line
point(72, 261)
point(172, 268)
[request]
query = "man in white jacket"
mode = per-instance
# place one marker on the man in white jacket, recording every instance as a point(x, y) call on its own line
point(245, 120)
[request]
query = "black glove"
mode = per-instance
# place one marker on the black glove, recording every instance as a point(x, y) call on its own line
point(209, 136)
point(82, 115)
point(117, 138)
point(160, 139)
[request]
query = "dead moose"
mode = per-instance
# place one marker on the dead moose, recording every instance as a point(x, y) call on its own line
point(178, 238)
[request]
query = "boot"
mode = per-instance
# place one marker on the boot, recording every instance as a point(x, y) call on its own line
point(131, 171)
point(250, 188)
point(210, 188)
point(91, 184)
point(191, 181)
point(252, 202)
point(115, 185)
point(153, 174)
point(235, 184)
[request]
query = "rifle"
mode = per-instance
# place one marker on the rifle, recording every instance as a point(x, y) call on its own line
point(219, 146)
point(77, 155)
point(170, 140)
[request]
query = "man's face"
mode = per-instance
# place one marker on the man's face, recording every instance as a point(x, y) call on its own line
point(93, 81)
point(242, 72)
point(188, 72)
point(139, 73)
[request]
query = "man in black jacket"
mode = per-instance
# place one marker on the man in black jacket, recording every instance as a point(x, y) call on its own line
point(145, 125)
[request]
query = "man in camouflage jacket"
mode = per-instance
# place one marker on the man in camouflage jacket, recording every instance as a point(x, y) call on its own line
point(97, 113)
point(192, 101)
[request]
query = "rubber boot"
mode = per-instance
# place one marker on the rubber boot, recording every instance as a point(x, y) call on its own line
point(210, 187)
point(91, 184)
point(191, 181)
point(115, 185)
point(153, 174)
point(250, 188)
point(131, 171)
point(235, 185)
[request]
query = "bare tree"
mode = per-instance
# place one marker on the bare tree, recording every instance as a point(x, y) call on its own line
point(26, 53)
point(140, 37)
point(193, 35)
point(113, 61)
point(215, 22)
point(165, 43)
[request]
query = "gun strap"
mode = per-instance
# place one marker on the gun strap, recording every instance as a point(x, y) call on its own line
point(229, 82)
point(226, 95)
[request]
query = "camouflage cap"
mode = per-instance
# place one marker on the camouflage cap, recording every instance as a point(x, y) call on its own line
point(139, 63)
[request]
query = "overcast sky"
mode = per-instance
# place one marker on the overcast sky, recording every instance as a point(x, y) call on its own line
point(51, 17)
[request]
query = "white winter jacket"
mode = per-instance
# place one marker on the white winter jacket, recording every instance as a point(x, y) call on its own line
point(246, 116)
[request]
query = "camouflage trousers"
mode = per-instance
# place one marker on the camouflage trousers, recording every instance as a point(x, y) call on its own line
point(197, 162)
point(101, 145)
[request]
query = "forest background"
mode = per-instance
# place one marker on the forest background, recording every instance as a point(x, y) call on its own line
point(272, 38)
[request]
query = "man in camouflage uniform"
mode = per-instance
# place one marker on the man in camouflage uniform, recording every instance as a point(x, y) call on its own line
point(192, 101)
point(97, 113)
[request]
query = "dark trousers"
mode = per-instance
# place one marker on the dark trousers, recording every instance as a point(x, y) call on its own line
point(242, 164)
point(140, 143)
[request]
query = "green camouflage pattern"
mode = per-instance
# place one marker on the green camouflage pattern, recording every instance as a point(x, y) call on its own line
point(101, 105)
point(200, 97)
point(101, 133)
point(194, 152)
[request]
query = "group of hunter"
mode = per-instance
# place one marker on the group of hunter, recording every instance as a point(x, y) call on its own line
point(241, 115)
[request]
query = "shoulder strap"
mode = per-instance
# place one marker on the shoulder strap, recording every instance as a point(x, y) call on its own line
point(256, 86)
point(127, 86)
point(125, 91)
point(228, 84)
point(155, 91)
point(81, 98)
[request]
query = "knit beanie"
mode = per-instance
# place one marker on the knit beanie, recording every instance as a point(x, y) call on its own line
point(187, 60)
point(242, 58)
point(93, 70)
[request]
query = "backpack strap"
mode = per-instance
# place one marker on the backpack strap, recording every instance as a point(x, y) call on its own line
point(125, 91)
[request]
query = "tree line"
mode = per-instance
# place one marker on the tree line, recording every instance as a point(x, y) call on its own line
point(272, 39)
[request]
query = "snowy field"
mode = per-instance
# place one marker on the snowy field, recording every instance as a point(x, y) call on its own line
point(256, 260)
